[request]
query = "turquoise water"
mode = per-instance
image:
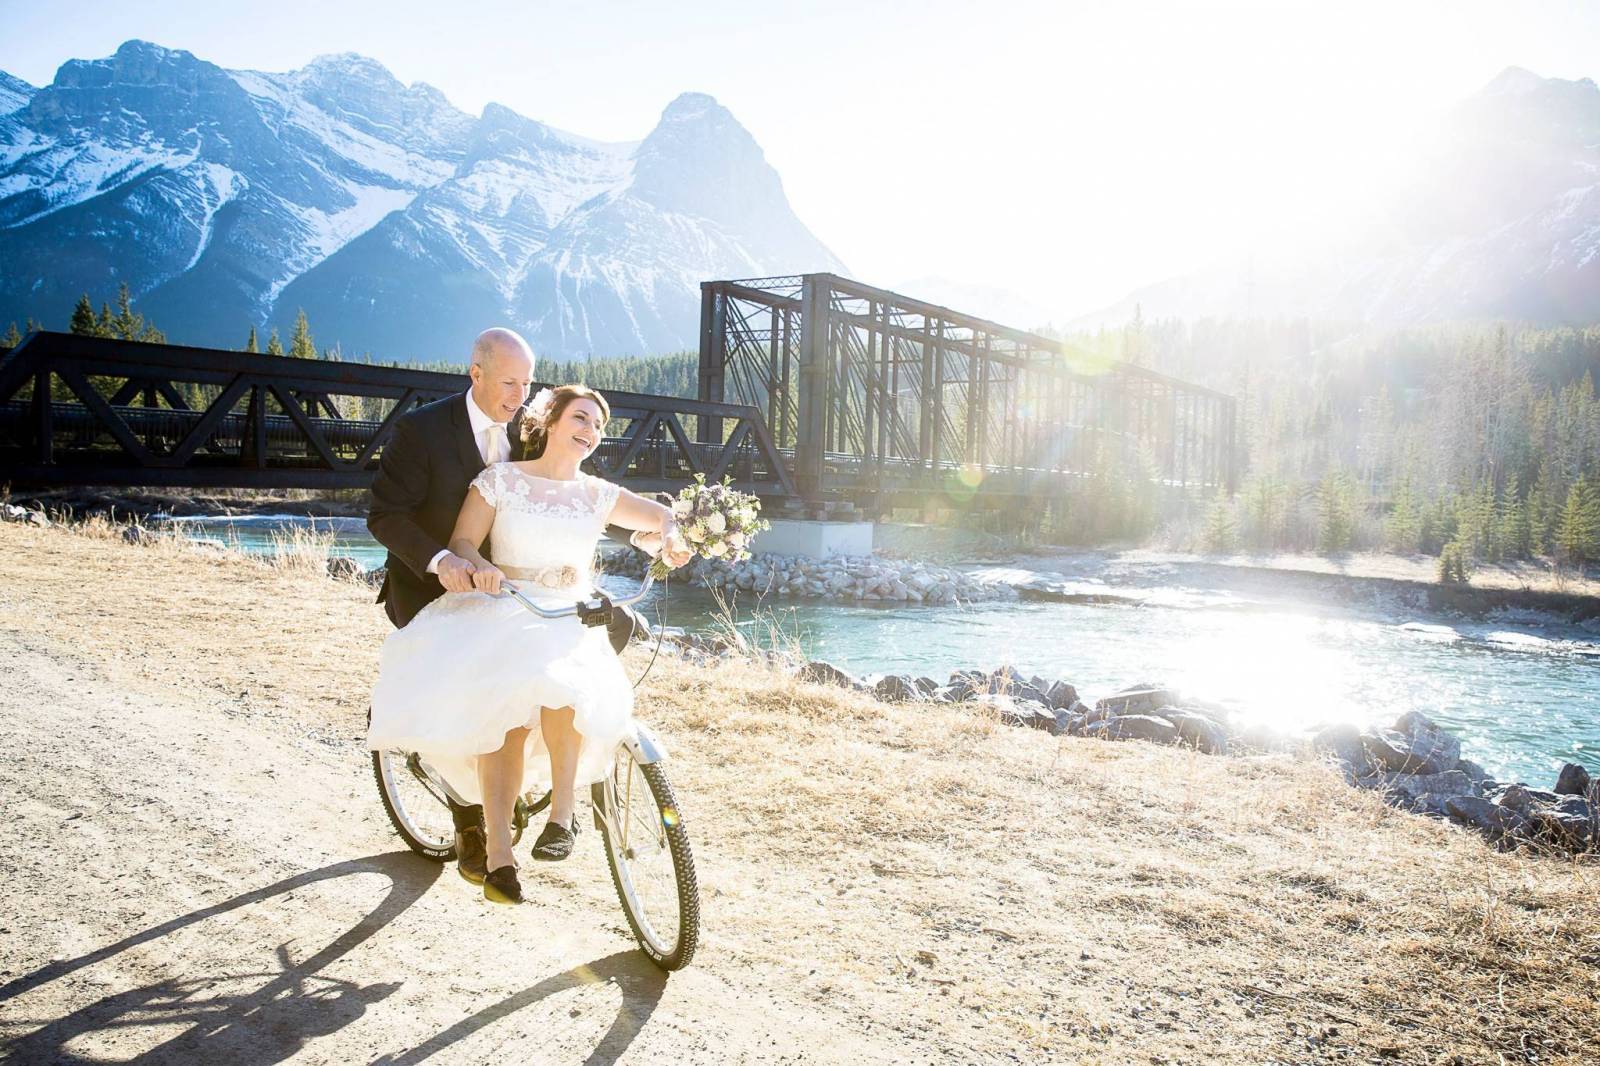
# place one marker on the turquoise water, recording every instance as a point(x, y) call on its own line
point(1523, 697)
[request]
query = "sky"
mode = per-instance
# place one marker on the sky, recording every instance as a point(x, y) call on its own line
point(1067, 152)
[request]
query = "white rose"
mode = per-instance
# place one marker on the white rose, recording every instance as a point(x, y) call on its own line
point(696, 532)
point(717, 550)
point(682, 508)
point(738, 540)
point(716, 523)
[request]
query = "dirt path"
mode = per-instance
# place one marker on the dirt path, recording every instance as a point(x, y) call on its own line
point(194, 875)
point(195, 868)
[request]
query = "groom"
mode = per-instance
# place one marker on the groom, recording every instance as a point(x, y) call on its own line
point(423, 477)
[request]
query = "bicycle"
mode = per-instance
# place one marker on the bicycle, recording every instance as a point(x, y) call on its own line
point(635, 812)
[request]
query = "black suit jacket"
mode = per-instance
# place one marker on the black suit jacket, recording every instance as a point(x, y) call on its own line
point(427, 467)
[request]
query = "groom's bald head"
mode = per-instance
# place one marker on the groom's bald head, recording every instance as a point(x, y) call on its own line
point(501, 372)
point(497, 343)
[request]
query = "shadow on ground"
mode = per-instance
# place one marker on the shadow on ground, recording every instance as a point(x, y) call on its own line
point(264, 1015)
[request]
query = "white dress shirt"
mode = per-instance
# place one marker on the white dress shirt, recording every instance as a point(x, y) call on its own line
point(494, 446)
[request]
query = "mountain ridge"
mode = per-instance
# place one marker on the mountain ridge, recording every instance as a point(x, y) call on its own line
point(228, 199)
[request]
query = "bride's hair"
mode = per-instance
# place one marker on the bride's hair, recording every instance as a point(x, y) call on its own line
point(536, 423)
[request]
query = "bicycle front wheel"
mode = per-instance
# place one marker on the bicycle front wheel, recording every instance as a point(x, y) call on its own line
point(651, 865)
point(414, 798)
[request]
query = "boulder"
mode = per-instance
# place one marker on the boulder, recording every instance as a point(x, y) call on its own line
point(1197, 730)
point(1479, 775)
point(1343, 742)
point(1262, 737)
point(344, 568)
point(1134, 727)
point(927, 685)
point(1003, 707)
point(1060, 694)
point(1525, 800)
point(1412, 787)
point(1037, 716)
point(896, 688)
point(1136, 701)
point(1572, 781)
point(1414, 746)
point(818, 672)
point(1497, 822)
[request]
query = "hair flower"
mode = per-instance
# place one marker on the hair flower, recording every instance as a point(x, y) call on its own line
point(539, 406)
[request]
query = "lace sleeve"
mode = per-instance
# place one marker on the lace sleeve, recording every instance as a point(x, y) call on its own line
point(489, 485)
point(605, 498)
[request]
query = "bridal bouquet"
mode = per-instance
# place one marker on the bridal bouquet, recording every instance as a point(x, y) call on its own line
point(717, 522)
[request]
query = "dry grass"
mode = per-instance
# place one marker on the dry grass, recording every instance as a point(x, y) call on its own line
point(939, 877)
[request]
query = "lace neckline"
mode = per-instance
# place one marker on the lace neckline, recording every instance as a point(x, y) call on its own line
point(553, 480)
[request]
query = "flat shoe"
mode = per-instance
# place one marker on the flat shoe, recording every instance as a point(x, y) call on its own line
point(502, 886)
point(554, 843)
point(472, 854)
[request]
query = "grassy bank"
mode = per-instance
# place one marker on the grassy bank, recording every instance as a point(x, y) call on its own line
point(919, 877)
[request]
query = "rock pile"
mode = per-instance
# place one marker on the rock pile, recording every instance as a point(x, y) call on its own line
point(1418, 766)
point(1415, 764)
point(10, 512)
point(847, 578)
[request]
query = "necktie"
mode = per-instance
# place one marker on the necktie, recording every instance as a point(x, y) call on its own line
point(499, 445)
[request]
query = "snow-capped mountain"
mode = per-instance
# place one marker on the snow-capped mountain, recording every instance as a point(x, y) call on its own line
point(230, 199)
point(1501, 219)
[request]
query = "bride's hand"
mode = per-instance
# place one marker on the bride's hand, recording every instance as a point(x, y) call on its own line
point(487, 579)
point(674, 551)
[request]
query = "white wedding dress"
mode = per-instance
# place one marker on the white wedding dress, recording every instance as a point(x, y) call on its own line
point(471, 666)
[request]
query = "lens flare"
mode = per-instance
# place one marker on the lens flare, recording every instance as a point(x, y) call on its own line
point(669, 816)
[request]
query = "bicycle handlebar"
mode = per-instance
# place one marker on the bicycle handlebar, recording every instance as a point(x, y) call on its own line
point(572, 609)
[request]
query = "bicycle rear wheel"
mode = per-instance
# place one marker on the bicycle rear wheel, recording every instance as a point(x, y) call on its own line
point(651, 864)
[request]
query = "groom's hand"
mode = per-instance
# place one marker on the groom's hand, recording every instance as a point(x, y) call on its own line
point(455, 574)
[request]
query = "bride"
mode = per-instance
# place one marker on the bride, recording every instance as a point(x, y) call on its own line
point(496, 699)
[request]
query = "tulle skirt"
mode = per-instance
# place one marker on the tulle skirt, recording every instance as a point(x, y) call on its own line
point(469, 667)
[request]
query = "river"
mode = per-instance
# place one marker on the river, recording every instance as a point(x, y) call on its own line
point(1523, 696)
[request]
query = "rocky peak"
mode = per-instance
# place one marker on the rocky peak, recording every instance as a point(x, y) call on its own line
point(143, 86)
point(699, 160)
point(14, 93)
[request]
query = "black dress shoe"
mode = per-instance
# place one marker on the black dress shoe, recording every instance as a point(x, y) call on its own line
point(502, 886)
point(472, 854)
point(555, 843)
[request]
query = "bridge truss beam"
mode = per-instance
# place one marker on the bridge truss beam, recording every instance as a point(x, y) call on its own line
point(882, 395)
point(78, 410)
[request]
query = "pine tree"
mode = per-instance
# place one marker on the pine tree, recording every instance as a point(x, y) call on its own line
point(250, 345)
point(83, 322)
point(300, 343)
point(151, 335)
point(1516, 532)
point(1577, 531)
point(32, 326)
point(12, 337)
point(1220, 530)
point(127, 325)
point(274, 345)
point(1544, 508)
point(1335, 513)
point(104, 325)
point(1403, 530)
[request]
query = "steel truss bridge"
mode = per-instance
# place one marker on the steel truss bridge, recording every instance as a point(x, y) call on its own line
point(880, 396)
point(80, 410)
point(813, 390)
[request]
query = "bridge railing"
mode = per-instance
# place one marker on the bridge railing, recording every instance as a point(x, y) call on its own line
point(78, 410)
